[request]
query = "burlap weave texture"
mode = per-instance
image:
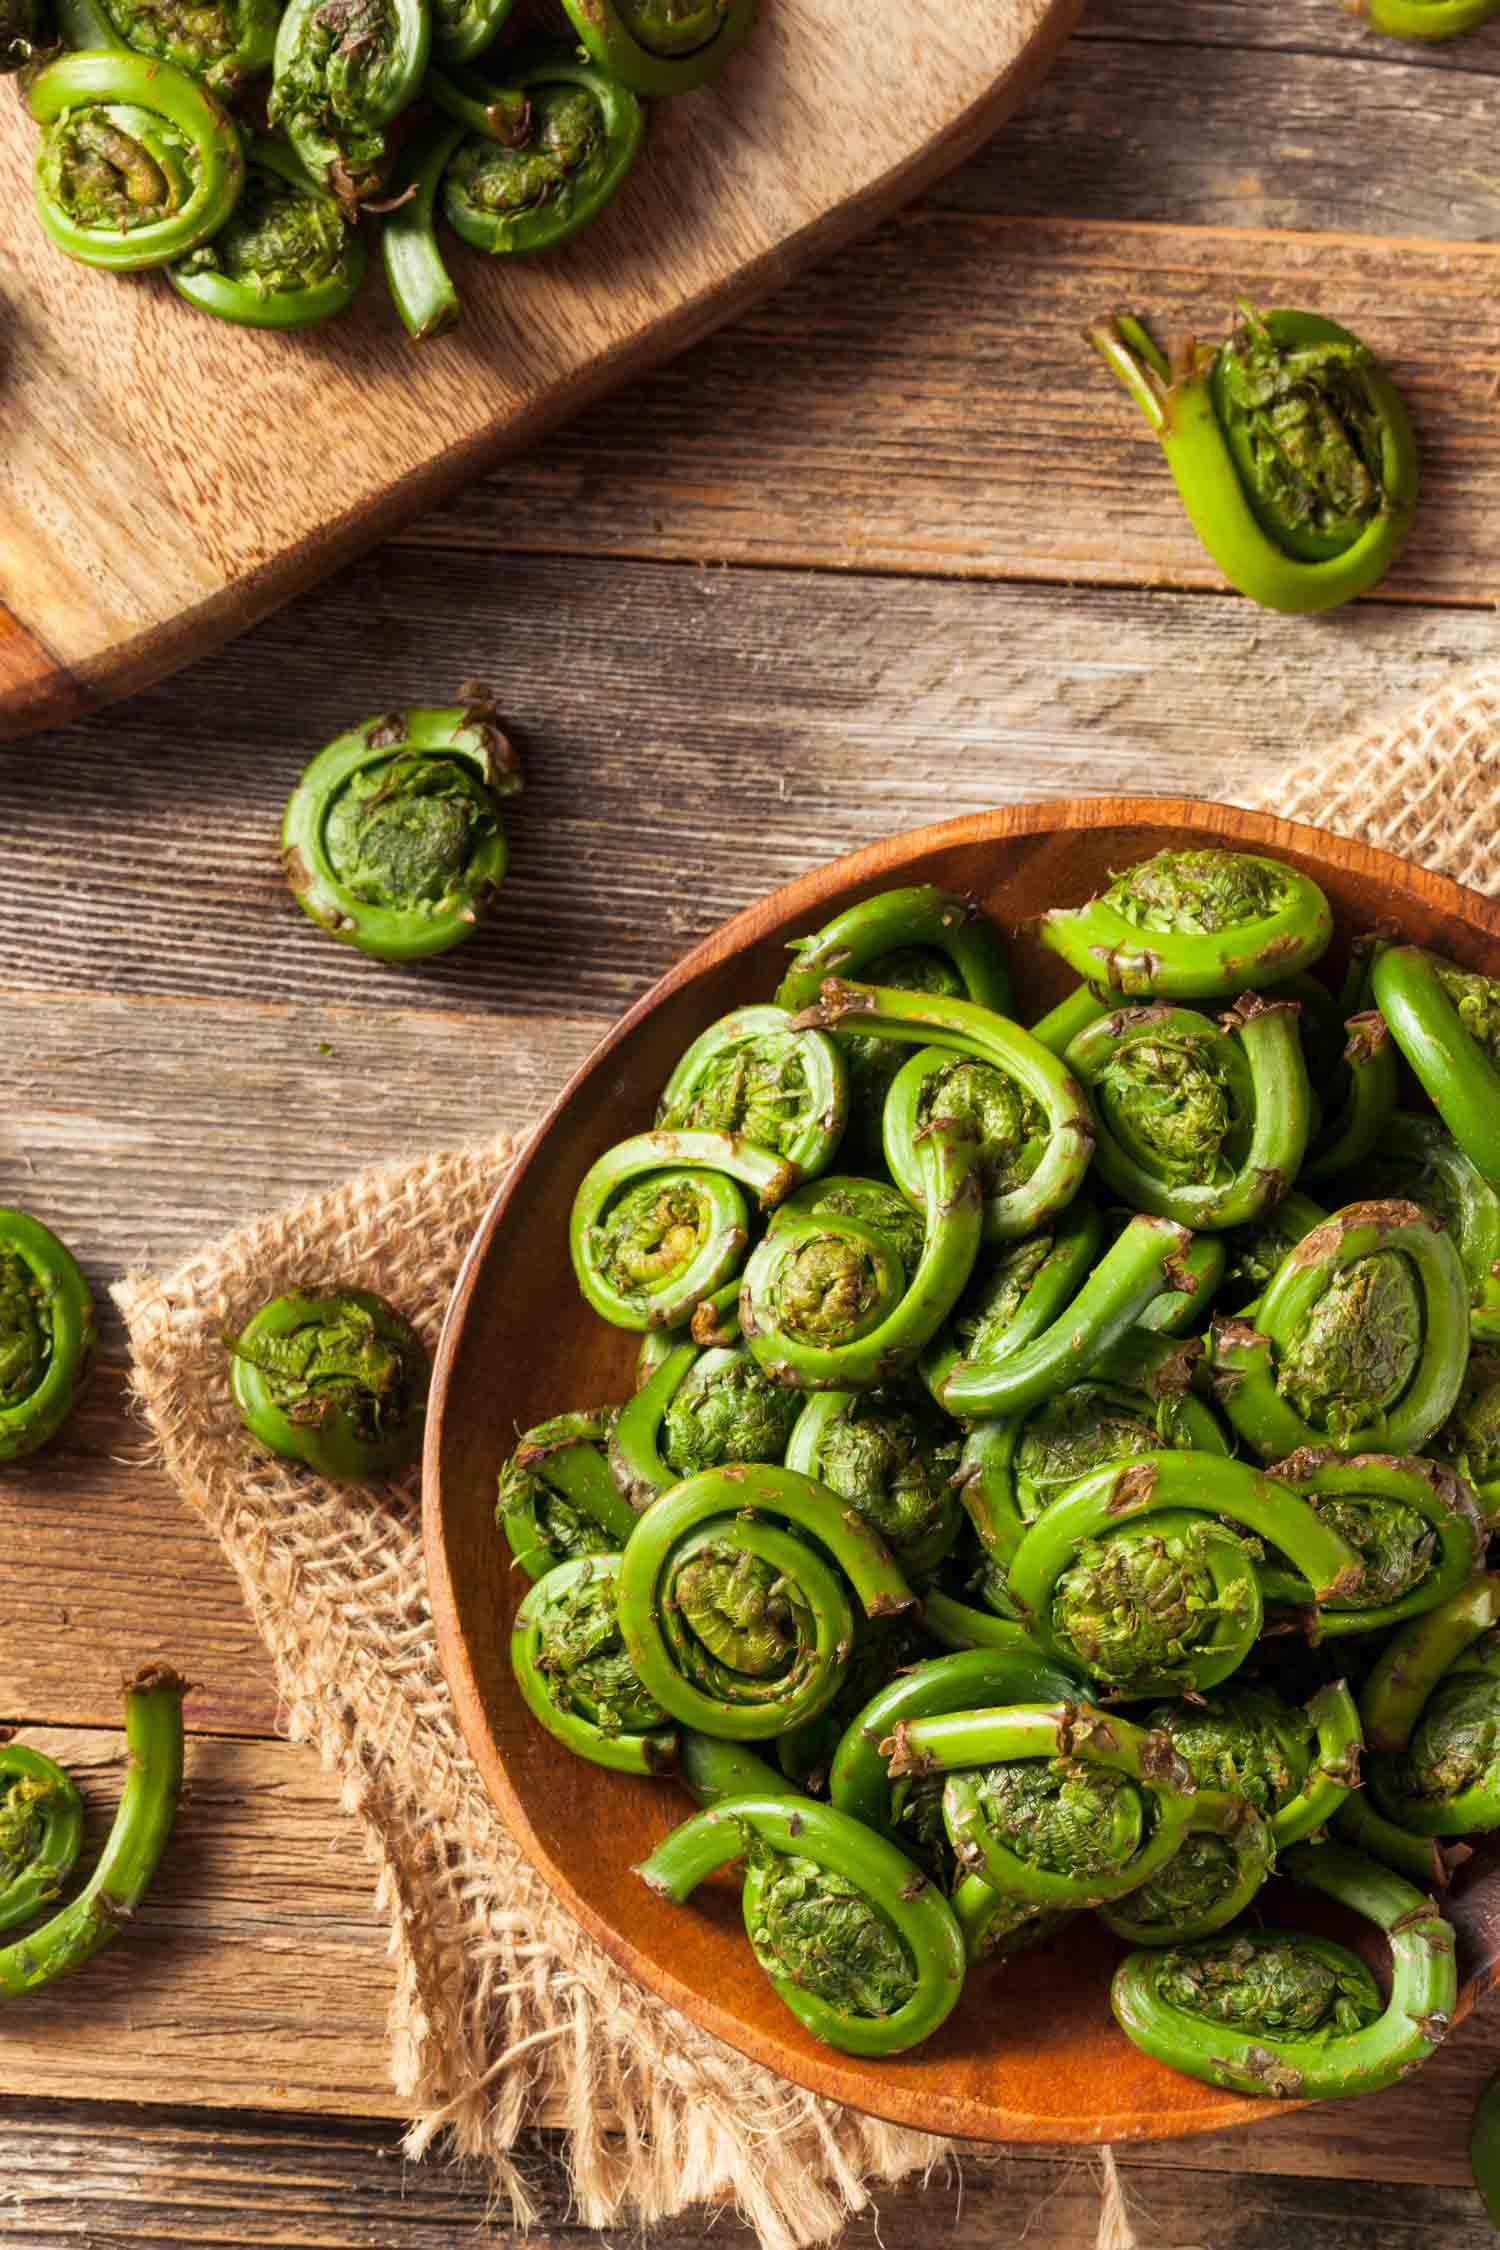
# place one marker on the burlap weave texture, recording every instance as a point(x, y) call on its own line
point(505, 2014)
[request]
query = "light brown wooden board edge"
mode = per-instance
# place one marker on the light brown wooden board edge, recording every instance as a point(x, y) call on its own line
point(813, 896)
point(37, 693)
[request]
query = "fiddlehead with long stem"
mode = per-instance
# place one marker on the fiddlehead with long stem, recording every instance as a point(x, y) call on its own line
point(1446, 1021)
point(572, 1668)
point(394, 840)
point(893, 1457)
point(1277, 2013)
point(344, 70)
point(733, 1600)
point(549, 144)
point(660, 1223)
point(558, 1500)
point(1205, 1124)
point(1359, 1341)
point(337, 1382)
point(1197, 924)
point(915, 940)
point(828, 1303)
point(142, 1824)
point(1136, 1575)
point(137, 162)
point(422, 289)
point(862, 1948)
point(46, 1333)
point(661, 47)
point(1290, 447)
point(285, 258)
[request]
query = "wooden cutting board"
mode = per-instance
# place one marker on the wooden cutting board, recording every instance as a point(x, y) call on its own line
point(166, 479)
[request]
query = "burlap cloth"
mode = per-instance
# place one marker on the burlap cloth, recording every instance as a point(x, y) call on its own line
point(505, 2014)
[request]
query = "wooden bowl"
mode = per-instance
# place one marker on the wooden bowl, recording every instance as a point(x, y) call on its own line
point(1031, 2053)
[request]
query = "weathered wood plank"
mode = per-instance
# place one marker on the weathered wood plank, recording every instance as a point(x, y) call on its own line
point(928, 405)
point(693, 737)
point(1292, 27)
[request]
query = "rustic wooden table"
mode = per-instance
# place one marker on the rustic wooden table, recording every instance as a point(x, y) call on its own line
point(889, 550)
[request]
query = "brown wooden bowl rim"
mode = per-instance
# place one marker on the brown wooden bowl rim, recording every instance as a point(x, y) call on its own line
point(839, 2077)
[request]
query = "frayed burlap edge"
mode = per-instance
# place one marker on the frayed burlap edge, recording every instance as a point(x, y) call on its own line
point(505, 2014)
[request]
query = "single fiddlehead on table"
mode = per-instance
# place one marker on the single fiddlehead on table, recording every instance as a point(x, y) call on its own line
point(918, 939)
point(661, 47)
point(860, 1945)
point(41, 1832)
point(1417, 1528)
point(1290, 447)
point(137, 162)
point(1359, 1342)
point(285, 258)
point(394, 838)
point(558, 1499)
point(1195, 924)
point(549, 143)
point(46, 1333)
point(338, 1382)
point(1199, 1122)
point(1297, 2017)
point(1422, 1163)
point(344, 70)
point(1431, 1711)
point(735, 1598)
point(1067, 1806)
point(137, 1838)
point(573, 1669)
point(1297, 1764)
point(1446, 1021)
point(660, 1223)
point(1144, 1575)
point(698, 1410)
point(828, 1302)
point(893, 1457)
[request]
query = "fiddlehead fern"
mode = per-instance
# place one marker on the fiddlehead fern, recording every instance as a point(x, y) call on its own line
point(344, 70)
point(752, 1074)
point(336, 1382)
point(132, 1850)
point(1068, 1807)
point(572, 1668)
point(1296, 1764)
point(1359, 1105)
point(1146, 1261)
point(1015, 1296)
point(137, 162)
point(1427, 19)
point(1359, 1342)
point(1470, 1438)
point(915, 940)
point(1136, 1576)
point(1258, 1250)
point(41, 1832)
point(285, 257)
point(1417, 1528)
point(1280, 2014)
point(422, 289)
point(893, 1457)
point(221, 42)
point(1290, 448)
point(661, 46)
point(1431, 1711)
point(1052, 1105)
point(558, 1500)
point(1446, 1021)
point(862, 1948)
point(697, 1411)
point(735, 1625)
point(660, 1224)
point(46, 1333)
point(549, 146)
point(1422, 1163)
point(884, 1649)
point(828, 1303)
point(1204, 1124)
point(462, 29)
point(393, 839)
point(1195, 924)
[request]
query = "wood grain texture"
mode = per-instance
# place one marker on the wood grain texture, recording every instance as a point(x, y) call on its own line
point(1063, 2072)
point(135, 535)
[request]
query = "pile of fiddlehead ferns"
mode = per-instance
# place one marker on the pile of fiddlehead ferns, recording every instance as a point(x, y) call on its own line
point(1032, 1501)
point(378, 110)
